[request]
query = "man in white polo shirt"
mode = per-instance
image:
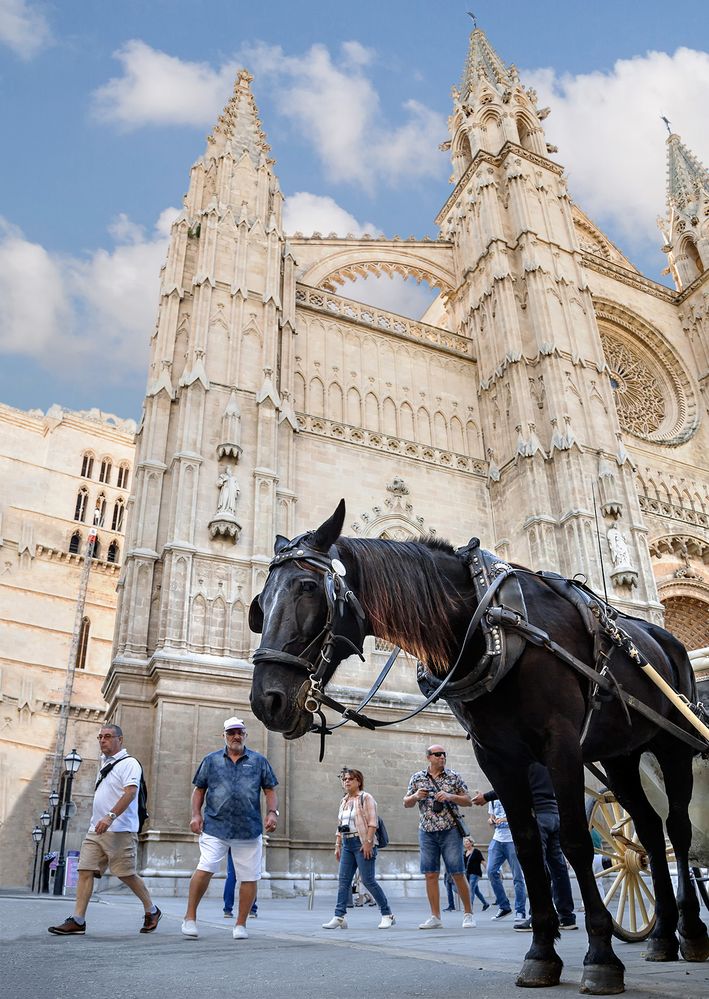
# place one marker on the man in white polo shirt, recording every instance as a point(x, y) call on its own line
point(112, 840)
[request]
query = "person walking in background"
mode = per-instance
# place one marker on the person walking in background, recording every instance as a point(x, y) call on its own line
point(546, 812)
point(437, 791)
point(112, 840)
point(228, 786)
point(473, 872)
point(230, 891)
point(355, 849)
point(450, 884)
point(502, 849)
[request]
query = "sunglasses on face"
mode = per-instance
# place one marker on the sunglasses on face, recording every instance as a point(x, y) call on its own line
point(436, 754)
point(234, 731)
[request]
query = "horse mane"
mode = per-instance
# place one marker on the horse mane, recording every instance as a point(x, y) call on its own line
point(402, 590)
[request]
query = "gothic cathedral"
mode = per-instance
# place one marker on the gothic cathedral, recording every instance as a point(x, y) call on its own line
point(552, 401)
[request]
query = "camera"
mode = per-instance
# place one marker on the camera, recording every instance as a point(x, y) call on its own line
point(343, 829)
point(437, 807)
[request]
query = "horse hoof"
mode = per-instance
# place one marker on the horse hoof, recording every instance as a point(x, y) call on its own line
point(536, 974)
point(694, 948)
point(662, 949)
point(602, 980)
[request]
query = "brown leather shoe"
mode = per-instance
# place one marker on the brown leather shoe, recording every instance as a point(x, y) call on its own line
point(69, 928)
point(151, 921)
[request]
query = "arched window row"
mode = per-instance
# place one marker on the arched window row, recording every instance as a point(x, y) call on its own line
point(105, 470)
point(98, 517)
point(113, 552)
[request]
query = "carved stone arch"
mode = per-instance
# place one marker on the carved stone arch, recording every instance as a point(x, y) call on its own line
point(655, 396)
point(198, 623)
point(335, 404)
point(687, 248)
point(316, 397)
point(327, 264)
point(218, 626)
point(687, 611)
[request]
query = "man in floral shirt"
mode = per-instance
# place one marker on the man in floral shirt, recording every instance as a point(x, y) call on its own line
point(433, 790)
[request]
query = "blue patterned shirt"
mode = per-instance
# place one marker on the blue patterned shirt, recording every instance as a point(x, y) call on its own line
point(232, 805)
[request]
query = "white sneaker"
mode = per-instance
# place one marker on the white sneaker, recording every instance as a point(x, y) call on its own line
point(336, 923)
point(239, 933)
point(387, 922)
point(189, 928)
point(432, 923)
point(469, 921)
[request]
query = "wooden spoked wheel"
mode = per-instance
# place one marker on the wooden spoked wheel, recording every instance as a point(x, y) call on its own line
point(622, 867)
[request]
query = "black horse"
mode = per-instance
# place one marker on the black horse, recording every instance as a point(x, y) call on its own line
point(324, 593)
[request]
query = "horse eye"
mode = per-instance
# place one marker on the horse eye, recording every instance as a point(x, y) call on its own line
point(308, 586)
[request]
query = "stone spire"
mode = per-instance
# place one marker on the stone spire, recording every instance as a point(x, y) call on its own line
point(492, 108)
point(686, 227)
point(238, 128)
point(484, 64)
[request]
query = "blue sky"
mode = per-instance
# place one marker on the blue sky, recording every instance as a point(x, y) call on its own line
point(105, 105)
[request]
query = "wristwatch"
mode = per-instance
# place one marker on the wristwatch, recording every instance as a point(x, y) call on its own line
point(274, 811)
point(112, 816)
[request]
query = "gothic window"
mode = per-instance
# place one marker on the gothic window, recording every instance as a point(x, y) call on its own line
point(113, 552)
point(689, 249)
point(97, 549)
point(100, 514)
point(122, 480)
point(87, 465)
point(118, 511)
point(75, 543)
point(641, 407)
point(105, 474)
point(82, 500)
point(83, 644)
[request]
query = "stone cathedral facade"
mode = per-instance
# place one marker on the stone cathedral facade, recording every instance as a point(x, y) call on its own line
point(552, 401)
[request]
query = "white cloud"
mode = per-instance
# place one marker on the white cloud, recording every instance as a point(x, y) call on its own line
point(308, 213)
point(611, 139)
point(160, 89)
point(97, 312)
point(23, 28)
point(392, 293)
point(336, 106)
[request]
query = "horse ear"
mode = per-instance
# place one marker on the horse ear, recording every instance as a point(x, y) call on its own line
point(328, 532)
point(256, 616)
point(280, 544)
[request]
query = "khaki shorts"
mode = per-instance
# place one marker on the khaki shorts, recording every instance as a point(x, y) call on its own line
point(117, 851)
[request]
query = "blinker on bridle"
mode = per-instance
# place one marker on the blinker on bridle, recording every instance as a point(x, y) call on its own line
point(339, 598)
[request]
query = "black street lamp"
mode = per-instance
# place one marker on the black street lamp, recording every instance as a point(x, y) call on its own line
point(37, 837)
point(72, 762)
point(44, 820)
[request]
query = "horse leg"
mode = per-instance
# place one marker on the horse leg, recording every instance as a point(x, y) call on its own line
point(624, 779)
point(603, 971)
point(676, 765)
point(542, 965)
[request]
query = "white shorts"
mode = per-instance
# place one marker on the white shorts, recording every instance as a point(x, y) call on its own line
point(246, 854)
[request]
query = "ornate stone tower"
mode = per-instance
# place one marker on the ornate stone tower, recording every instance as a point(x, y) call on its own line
point(216, 436)
point(686, 228)
point(522, 296)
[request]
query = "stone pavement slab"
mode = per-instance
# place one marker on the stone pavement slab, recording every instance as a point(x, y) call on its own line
point(288, 951)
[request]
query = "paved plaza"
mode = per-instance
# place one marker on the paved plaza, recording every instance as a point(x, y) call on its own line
point(288, 952)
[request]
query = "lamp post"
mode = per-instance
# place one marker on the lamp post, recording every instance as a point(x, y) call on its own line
point(72, 762)
point(37, 837)
point(44, 820)
point(53, 802)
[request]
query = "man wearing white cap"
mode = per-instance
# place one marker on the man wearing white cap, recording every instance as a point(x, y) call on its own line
point(227, 786)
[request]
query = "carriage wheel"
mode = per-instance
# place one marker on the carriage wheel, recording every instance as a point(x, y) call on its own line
point(625, 882)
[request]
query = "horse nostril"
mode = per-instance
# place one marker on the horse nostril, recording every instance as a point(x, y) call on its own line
point(274, 703)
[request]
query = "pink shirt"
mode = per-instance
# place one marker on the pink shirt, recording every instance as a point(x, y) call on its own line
point(364, 813)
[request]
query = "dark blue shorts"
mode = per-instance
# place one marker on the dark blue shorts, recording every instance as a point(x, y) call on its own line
point(448, 845)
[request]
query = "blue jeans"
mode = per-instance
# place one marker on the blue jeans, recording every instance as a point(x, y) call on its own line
point(352, 859)
point(497, 854)
point(475, 890)
point(548, 823)
point(230, 887)
point(448, 845)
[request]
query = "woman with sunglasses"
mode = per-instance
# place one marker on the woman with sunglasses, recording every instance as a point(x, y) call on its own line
point(355, 849)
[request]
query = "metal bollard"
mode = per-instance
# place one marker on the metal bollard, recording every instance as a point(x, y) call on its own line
point(311, 890)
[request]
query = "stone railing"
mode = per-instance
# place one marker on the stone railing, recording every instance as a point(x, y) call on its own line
point(385, 322)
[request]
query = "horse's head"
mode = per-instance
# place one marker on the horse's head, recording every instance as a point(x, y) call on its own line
point(309, 619)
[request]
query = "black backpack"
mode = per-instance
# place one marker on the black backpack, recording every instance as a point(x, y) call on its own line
point(143, 814)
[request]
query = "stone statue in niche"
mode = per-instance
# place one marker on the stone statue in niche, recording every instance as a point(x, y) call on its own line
point(228, 492)
point(224, 522)
point(622, 573)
